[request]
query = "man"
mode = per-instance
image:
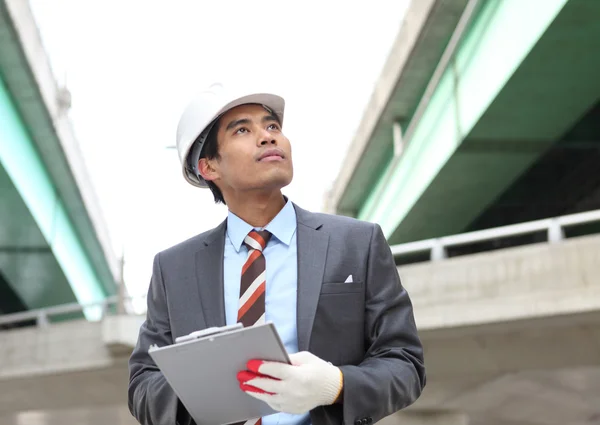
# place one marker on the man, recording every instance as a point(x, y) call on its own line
point(328, 283)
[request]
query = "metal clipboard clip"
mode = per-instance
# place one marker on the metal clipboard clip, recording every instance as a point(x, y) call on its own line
point(207, 332)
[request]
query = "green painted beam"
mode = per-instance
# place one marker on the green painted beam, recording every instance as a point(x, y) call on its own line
point(26, 83)
point(547, 96)
point(27, 171)
point(501, 37)
point(30, 269)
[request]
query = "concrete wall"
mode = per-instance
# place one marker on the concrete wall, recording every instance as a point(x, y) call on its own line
point(527, 282)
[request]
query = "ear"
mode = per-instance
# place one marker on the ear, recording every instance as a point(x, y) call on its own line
point(207, 170)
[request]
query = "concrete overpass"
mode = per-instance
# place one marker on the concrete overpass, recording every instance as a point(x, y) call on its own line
point(485, 114)
point(469, 128)
point(54, 244)
point(511, 337)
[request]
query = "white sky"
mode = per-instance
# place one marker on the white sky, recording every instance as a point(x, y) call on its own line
point(132, 65)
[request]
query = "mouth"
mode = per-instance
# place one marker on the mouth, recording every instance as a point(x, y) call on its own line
point(271, 155)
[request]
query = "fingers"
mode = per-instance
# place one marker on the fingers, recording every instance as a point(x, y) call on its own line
point(251, 389)
point(245, 376)
point(268, 385)
point(272, 369)
point(254, 365)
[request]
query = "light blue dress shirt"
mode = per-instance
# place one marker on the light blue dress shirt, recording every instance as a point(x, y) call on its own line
point(282, 282)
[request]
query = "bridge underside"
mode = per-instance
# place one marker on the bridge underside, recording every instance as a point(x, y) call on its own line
point(488, 184)
point(511, 133)
point(53, 245)
point(30, 276)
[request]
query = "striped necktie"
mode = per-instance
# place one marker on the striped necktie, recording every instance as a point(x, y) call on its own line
point(251, 309)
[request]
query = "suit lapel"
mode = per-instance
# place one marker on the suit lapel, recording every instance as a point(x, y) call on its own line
point(312, 253)
point(209, 272)
point(312, 250)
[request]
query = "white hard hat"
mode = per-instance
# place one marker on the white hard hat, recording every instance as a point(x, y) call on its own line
point(200, 115)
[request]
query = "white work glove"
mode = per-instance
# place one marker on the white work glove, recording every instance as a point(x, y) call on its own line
point(297, 388)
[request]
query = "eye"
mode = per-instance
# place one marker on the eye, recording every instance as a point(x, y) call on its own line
point(273, 127)
point(241, 130)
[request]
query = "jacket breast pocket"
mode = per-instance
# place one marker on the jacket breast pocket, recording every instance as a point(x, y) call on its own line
point(338, 329)
point(341, 287)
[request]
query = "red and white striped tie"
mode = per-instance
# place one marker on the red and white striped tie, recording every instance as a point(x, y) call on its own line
point(251, 310)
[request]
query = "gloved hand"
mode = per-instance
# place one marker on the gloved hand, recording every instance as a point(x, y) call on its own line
point(297, 388)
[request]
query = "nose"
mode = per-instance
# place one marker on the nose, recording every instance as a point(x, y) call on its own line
point(266, 138)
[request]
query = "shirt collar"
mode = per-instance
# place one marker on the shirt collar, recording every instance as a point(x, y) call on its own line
point(283, 226)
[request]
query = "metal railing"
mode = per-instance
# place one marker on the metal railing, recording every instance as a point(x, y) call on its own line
point(554, 227)
point(437, 247)
point(42, 316)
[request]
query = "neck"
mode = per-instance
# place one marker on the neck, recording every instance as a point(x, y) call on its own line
point(257, 210)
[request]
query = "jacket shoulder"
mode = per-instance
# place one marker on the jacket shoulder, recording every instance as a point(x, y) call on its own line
point(194, 243)
point(338, 225)
point(325, 220)
point(343, 221)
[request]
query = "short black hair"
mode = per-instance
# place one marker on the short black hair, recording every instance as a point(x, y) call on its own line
point(210, 150)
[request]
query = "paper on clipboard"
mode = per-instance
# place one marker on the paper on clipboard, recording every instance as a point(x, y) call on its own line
point(202, 368)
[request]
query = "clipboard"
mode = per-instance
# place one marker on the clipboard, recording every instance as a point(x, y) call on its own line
point(202, 369)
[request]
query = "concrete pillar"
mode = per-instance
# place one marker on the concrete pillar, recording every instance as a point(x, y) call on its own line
point(426, 418)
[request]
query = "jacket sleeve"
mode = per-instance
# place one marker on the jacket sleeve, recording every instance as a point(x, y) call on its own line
point(151, 399)
point(392, 374)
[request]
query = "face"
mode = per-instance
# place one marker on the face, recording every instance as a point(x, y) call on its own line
point(253, 152)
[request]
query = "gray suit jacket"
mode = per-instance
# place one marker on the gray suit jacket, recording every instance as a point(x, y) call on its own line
point(366, 327)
